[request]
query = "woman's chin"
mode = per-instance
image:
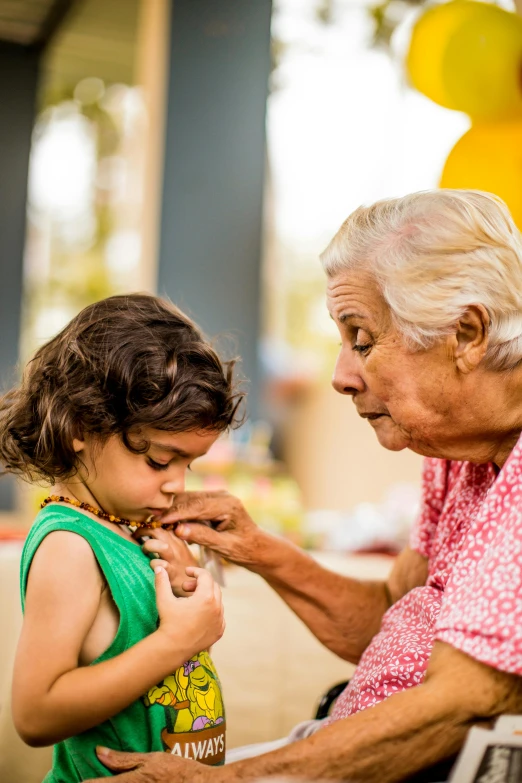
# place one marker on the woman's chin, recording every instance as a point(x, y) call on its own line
point(389, 435)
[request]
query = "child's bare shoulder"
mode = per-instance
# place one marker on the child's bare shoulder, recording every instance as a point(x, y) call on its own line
point(65, 556)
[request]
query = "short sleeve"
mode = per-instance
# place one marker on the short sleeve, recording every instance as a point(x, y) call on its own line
point(434, 483)
point(481, 612)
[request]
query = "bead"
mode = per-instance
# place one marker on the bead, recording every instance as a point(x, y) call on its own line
point(103, 514)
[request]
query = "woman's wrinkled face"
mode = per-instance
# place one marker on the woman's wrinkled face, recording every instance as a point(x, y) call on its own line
point(405, 395)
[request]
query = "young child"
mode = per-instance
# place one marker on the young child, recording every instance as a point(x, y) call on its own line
point(111, 412)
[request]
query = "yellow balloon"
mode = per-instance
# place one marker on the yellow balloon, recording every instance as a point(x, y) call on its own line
point(489, 157)
point(429, 41)
point(467, 55)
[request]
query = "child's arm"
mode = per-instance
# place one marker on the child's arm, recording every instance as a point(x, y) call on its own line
point(53, 697)
point(174, 556)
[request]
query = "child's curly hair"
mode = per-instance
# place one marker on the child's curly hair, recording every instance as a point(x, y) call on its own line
point(121, 364)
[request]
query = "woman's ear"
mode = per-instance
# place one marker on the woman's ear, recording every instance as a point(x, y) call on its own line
point(470, 339)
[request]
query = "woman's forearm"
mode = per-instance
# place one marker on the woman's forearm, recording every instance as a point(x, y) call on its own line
point(384, 744)
point(343, 613)
point(406, 733)
point(87, 696)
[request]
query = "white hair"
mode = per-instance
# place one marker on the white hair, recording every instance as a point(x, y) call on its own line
point(433, 255)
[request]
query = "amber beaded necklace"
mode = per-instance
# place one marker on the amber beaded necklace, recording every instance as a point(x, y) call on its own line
point(149, 523)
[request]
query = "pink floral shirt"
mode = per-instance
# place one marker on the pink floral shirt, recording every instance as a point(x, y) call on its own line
point(470, 530)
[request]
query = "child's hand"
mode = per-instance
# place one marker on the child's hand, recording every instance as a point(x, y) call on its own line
point(174, 556)
point(195, 623)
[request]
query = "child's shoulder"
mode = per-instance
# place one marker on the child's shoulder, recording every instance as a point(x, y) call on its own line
point(63, 546)
point(57, 517)
point(61, 529)
point(52, 520)
point(58, 548)
point(82, 532)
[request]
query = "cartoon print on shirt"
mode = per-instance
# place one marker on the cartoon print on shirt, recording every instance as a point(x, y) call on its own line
point(193, 706)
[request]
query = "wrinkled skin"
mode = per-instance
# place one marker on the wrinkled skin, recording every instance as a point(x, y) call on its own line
point(155, 768)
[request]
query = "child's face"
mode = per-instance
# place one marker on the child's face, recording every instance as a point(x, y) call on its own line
point(134, 486)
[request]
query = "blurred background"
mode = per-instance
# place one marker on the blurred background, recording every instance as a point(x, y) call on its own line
point(208, 152)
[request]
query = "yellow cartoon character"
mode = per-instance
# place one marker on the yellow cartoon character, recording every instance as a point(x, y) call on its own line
point(171, 695)
point(203, 693)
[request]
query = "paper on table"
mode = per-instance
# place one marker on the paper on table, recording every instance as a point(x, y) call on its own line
point(489, 757)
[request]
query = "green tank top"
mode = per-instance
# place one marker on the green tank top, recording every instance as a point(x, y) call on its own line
point(184, 713)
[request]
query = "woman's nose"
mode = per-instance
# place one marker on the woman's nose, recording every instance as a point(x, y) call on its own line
point(346, 377)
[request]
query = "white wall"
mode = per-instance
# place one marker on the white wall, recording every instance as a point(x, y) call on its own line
point(335, 455)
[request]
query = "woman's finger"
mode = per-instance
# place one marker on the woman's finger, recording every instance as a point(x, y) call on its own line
point(197, 533)
point(118, 760)
point(199, 505)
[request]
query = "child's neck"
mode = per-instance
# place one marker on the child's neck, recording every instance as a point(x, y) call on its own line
point(79, 491)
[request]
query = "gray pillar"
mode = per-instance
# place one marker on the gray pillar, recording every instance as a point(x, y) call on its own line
point(18, 80)
point(214, 169)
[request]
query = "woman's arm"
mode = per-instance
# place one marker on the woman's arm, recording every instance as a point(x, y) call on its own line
point(54, 697)
point(406, 733)
point(343, 613)
point(384, 744)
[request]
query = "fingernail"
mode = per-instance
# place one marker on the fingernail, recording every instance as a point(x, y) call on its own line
point(182, 530)
point(101, 751)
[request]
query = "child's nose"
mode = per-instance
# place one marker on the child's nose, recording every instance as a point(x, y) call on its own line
point(173, 485)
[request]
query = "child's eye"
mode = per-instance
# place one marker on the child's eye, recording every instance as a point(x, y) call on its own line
point(157, 465)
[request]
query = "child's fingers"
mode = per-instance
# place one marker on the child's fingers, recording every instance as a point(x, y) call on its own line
point(155, 547)
point(205, 583)
point(149, 532)
point(161, 563)
point(154, 532)
point(164, 596)
point(189, 586)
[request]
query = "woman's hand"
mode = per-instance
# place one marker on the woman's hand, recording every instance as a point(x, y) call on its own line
point(174, 556)
point(231, 531)
point(154, 768)
point(197, 620)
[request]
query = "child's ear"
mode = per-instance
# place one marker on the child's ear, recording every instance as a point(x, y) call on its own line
point(78, 445)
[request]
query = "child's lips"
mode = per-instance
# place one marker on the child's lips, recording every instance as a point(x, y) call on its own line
point(157, 511)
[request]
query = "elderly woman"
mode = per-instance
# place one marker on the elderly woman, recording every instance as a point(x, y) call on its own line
point(426, 292)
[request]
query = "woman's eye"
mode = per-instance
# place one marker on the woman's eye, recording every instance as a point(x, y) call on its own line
point(360, 348)
point(157, 465)
point(359, 344)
